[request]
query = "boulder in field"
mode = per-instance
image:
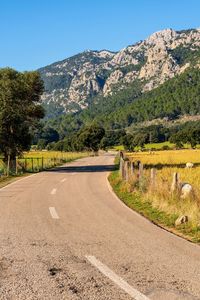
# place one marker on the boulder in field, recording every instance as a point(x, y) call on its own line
point(186, 190)
point(181, 220)
point(189, 165)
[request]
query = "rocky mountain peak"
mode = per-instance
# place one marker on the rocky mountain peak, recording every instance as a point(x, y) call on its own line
point(73, 82)
point(161, 37)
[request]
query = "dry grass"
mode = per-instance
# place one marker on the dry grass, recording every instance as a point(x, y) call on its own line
point(167, 157)
point(35, 161)
point(55, 154)
point(166, 163)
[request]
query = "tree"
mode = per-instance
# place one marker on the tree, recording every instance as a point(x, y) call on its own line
point(112, 138)
point(90, 137)
point(19, 110)
point(190, 134)
point(127, 140)
point(41, 144)
point(194, 137)
point(178, 139)
point(140, 140)
point(46, 135)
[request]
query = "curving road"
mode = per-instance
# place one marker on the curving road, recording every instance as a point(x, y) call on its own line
point(65, 235)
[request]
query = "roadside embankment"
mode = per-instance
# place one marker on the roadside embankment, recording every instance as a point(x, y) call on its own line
point(158, 195)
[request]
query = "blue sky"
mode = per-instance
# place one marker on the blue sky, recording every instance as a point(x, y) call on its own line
point(35, 33)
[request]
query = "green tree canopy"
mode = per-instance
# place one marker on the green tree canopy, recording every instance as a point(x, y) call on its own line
point(90, 137)
point(19, 110)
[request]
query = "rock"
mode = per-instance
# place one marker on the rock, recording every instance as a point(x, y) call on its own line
point(189, 165)
point(112, 80)
point(181, 220)
point(72, 82)
point(186, 190)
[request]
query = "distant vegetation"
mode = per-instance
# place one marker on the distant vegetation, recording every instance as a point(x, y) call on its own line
point(108, 122)
point(178, 96)
point(178, 135)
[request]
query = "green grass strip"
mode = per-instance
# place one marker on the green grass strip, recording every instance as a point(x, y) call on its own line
point(135, 201)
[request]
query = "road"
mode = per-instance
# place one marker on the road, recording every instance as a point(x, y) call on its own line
point(65, 235)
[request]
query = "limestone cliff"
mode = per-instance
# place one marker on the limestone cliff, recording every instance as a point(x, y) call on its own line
point(73, 82)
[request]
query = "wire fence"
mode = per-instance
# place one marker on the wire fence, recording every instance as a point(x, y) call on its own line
point(29, 165)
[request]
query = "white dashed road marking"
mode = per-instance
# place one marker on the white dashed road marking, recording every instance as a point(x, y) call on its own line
point(53, 192)
point(53, 213)
point(63, 180)
point(116, 279)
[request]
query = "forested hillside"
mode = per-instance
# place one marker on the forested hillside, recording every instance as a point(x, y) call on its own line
point(178, 96)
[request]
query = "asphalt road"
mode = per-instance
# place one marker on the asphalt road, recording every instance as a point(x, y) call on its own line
point(65, 235)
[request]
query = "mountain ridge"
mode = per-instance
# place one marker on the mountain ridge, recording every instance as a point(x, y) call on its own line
point(71, 84)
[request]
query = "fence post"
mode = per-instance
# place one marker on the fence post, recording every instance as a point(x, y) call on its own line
point(175, 182)
point(32, 164)
point(140, 173)
point(16, 166)
point(25, 166)
point(124, 170)
point(153, 177)
point(132, 168)
point(8, 165)
point(127, 170)
point(42, 163)
point(121, 162)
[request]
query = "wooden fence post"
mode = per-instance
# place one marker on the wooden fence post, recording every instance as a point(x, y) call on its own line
point(127, 170)
point(8, 165)
point(121, 163)
point(25, 164)
point(175, 182)
point(38, 164)
point(140, 173)
point(16, 166)
point(123, 168)
point(42, 163)
point(32, 164)
point(153, 177)
point(132, 168)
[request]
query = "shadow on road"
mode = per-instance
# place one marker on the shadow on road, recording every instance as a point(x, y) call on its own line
point(84, 169)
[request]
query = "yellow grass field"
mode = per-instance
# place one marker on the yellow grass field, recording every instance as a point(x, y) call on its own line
point(55, 154)
point(166, 163)
point(168, 157)
point(34, 161)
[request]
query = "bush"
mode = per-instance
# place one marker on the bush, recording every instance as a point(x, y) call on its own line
point(166, 147)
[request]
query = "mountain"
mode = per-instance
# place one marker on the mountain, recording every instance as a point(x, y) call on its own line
point(73, 84)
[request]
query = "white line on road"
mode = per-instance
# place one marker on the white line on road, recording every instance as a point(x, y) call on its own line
point(53, 192)
point(116, 279)
point(63, 180)
point(53, 213)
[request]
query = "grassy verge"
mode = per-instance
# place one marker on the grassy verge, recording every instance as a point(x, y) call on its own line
point(136, 201)
point(7, 180)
